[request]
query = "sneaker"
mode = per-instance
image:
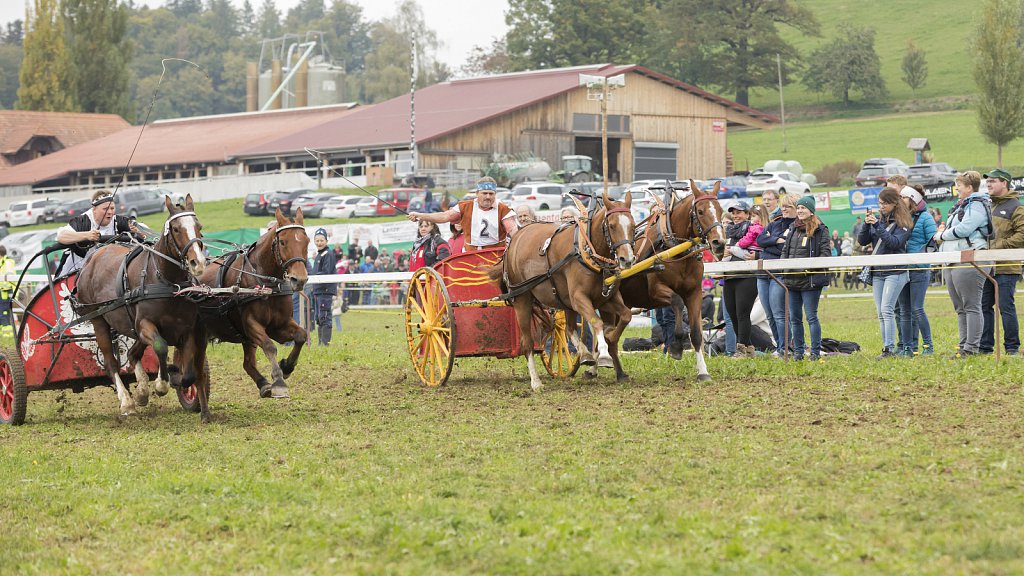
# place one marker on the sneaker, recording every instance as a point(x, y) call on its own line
point(776, 354)
point(927, 350)
point(815, 357)
point(797, 357)
point(886, 353)
point(962, 354)
point(905, 352)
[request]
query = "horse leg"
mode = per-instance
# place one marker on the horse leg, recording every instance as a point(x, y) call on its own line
point(258, 335)
point(618, 319)
point(298, 336)
point(197, 346)
point(524, 315)
point(598, 346)
point(693, 301)
point(141, 395)
point(150, 336)
point(102, 332)
point(249, 364)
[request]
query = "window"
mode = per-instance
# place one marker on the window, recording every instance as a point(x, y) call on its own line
point(654, 161)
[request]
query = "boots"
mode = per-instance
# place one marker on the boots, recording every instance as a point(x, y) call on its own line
point(324, 334)
point(744, 351)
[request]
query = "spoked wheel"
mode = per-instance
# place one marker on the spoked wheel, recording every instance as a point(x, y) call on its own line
point(13, 390)
point(560, 359)
point(430, 327)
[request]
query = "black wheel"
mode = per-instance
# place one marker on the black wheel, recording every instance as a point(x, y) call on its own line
point(13, 390)
point(735, 195)
point(544, 207)
point(188, 397)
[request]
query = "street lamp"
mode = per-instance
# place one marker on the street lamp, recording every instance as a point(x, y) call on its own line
point(599, 88)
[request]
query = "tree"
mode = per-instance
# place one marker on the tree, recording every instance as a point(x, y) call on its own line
point(915, 67)
point(483, 61)
point(389, 62)
point(731, 43)
point(45, 79)
point(10, 65)
point(268, 23)
point(558, 33)
point(847, 63)
point(99, 53)
point(14, 33)
point(248, 19)
point(999, 73)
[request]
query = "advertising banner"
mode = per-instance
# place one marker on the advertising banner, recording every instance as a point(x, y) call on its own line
point(863, 199)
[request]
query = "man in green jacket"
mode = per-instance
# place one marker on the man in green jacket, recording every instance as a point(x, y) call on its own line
point(1008, 221)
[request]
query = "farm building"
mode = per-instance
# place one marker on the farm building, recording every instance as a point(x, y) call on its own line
point(27, 135)
point(658, 127)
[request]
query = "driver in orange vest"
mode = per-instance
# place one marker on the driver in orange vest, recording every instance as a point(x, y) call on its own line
point(485, 221)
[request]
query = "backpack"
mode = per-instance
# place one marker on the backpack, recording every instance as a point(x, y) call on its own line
point(839, 346)
point(961, 209)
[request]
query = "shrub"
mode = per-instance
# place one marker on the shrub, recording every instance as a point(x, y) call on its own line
point(837, 173)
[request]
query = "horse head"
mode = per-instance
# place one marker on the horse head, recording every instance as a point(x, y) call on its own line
point(183, 236)
point(290, 246)
point(705, 217)
point(618, 228)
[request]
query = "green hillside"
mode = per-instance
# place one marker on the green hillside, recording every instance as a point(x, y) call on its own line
point(953, 136)
point(941, 27)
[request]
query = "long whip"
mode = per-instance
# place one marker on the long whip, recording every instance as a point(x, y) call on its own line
point(316, 154)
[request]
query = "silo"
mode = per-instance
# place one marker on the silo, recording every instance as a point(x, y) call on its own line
point(276, 74)
point(300, 81)
point(252, 73)
point(326, 84)
point(264, 88)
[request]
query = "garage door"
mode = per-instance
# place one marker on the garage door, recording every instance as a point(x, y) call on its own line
point(654, 160)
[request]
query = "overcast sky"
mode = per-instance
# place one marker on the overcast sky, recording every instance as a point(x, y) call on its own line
point(460, 24)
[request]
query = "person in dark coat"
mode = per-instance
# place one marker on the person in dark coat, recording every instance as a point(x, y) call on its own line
point(81, 232)
point(808, 238)
point(323, 294)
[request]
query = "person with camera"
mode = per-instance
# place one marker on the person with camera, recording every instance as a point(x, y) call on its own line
point(887, 233)
point(772, 296)
point(807, 237)
point(912, 316)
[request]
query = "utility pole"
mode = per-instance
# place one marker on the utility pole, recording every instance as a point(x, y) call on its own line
point(606, 84)
point(412, 108)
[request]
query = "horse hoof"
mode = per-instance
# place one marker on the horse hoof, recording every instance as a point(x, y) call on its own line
point(590, 374)
point(128, 411)
point(605, 362)
point(161, 388)
point(537, 387)
point(141, 400)
point(703, 378)
point(266, 390)
point(279, 391)
point(623, 378)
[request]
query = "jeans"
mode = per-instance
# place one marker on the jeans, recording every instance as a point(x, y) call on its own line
point(777, 297)
point(730, 332)
point(1007, 284)
point(665, 317)
point(803, 302)
point(887, 290)
point(764, 291)
point(965, 287)
point(912, 316)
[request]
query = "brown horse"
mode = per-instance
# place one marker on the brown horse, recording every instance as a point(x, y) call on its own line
point(695, 216)
point(562, 267)
point(277, 260)
point(139, 286)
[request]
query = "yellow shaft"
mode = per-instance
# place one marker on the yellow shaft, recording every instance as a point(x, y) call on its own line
point(648, 262)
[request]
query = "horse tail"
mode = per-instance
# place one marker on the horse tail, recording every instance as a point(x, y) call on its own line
point(496, 272)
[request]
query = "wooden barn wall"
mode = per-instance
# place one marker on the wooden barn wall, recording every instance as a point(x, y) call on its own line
point(658, 113)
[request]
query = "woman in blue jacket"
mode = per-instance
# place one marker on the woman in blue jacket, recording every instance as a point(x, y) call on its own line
point(912, 314)
point(772, 295)
point(966, 227)
point(887, 233)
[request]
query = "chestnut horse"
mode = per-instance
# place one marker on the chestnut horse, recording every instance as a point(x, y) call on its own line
point(693, 217)
point(278, 261)
point(562, 266)
point(144, 280)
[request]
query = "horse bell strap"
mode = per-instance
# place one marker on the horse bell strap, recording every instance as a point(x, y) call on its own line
point(582, 253)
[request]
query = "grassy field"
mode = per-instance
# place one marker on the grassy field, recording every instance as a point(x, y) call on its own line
point(845, 466)
point(953, 136)
point(943, 28)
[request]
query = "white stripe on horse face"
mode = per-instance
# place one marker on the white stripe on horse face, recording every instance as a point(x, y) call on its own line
point(190, 231)
point(625, 223)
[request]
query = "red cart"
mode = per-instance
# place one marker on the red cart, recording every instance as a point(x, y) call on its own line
point(454, 310)
point(56, 349)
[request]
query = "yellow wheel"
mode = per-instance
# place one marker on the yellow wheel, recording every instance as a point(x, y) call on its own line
point(559, 358)
point(430, 327)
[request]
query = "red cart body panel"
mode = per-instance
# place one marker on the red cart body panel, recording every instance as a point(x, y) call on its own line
point(57, 362)
point(481, 331)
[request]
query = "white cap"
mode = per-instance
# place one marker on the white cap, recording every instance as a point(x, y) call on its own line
point(914, 195)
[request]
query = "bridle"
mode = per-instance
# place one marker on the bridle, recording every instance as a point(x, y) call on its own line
point(182, 250)
point(276, 248)
point(695, 224)
point(627, 239)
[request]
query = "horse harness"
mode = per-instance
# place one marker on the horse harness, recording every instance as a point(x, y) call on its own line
point(665, 238)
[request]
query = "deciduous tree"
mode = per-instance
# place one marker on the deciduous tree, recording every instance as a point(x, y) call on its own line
point(45, 79)
point(389, 63)
point(915, 67)
point(847, 63)
point(99, 53)
point(999, 73)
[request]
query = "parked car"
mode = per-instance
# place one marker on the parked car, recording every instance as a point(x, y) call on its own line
point(505, 197)
point(27, 212)
point(65, 211)
point(365, 207)
point(392, 198)
point(537, 195)
point(133, 202)
point(21, 246)
point(875, 171)
point(731, 187)
point(584, 191)
point(341, 206)
point(934, 174)
point(283, 199)
point(257, 203)
point(779, 182)
point(312, 204)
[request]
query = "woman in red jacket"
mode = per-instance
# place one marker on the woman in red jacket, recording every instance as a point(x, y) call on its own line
point(429, 247)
